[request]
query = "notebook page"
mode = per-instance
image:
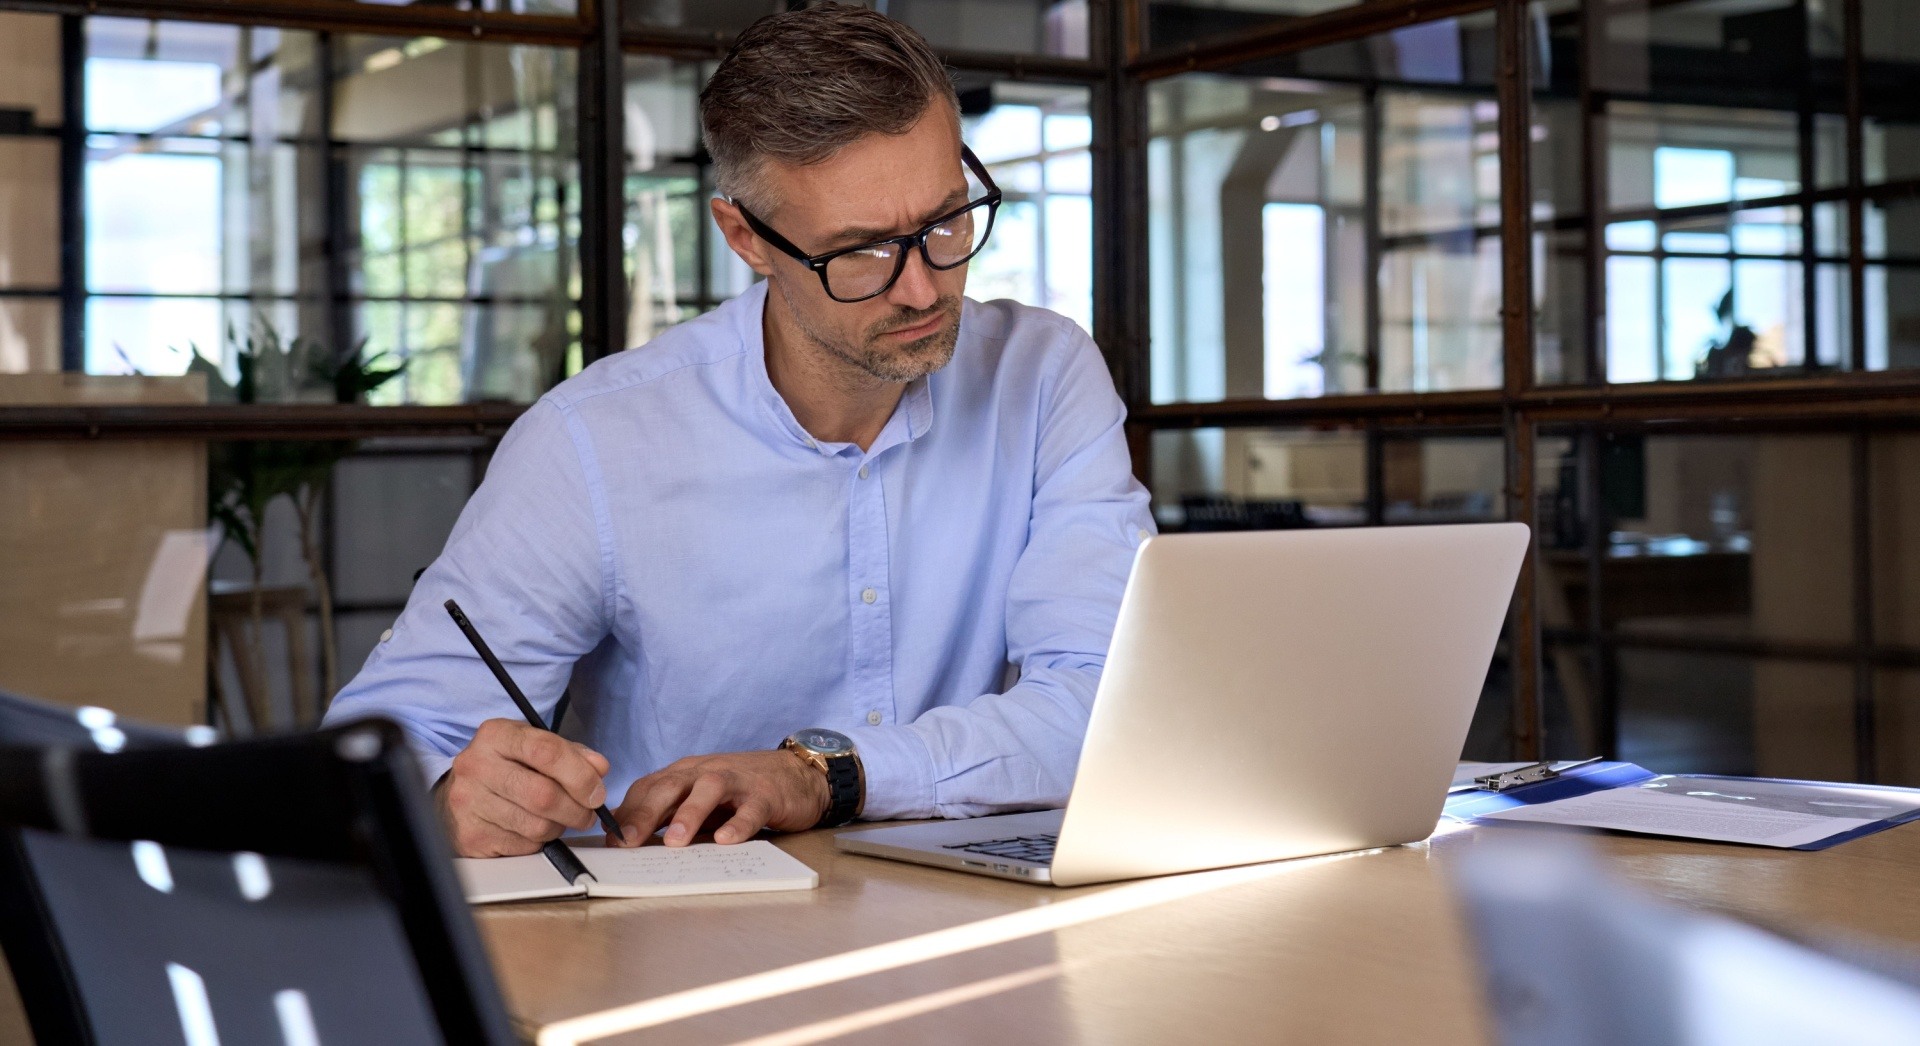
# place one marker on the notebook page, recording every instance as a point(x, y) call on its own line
point(662, 871)
point(488, 879)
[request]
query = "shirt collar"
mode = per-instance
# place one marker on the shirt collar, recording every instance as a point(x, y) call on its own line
point(915, 407)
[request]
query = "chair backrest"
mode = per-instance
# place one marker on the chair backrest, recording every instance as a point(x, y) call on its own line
point(291, 889)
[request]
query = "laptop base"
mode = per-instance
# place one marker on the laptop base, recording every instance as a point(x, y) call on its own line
point(939, 843)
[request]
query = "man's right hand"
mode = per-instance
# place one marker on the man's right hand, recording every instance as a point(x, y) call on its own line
point(515, 787)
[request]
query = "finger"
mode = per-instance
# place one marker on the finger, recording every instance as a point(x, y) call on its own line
point(599, 762)
point(746, 823)
point(651, 801)
point(561, 760)
point(542, 796)
point(477, 838)
point(504, 814)
point(708, 792)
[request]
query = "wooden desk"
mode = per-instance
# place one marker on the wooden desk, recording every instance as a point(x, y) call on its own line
point(1362, 949)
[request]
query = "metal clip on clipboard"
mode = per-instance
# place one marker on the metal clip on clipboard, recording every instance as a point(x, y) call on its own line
point(1526, 775)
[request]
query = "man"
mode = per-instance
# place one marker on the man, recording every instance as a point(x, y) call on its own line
point(837, 509)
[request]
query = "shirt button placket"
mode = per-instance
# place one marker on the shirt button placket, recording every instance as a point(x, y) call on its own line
point(872, 638)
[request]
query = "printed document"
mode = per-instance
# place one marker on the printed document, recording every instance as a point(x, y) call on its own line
point(1757, 812)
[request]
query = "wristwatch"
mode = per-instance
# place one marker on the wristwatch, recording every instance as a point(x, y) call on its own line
point(832, 753)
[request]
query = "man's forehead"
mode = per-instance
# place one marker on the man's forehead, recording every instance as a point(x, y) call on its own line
point(885, 184)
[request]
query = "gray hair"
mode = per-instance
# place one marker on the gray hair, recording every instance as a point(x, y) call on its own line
point(799, 86)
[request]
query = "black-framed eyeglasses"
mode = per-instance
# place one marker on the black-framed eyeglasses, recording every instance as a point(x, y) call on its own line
point(867, 270)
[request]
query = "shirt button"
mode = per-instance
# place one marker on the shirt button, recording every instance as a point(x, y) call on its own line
point(388, 634)
point(813, 444)
point(868, 595)
point(1141, 534)
point(873, 718)
point(863, 472)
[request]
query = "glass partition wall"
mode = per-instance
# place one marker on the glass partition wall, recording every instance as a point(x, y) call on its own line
point(1638, 273)
point(1625, 270)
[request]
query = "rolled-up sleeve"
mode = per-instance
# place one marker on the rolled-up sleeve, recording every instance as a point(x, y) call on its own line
point(1019, 749)
point(529, 563)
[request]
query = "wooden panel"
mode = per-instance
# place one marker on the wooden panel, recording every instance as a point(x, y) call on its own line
point(102, 598)
point(29, 334)
point(30, 53)
point(29, 210)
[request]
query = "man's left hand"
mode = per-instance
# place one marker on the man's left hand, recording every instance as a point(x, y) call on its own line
point(774, 789)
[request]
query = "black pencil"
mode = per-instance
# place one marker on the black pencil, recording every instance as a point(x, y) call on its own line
point(513, 691)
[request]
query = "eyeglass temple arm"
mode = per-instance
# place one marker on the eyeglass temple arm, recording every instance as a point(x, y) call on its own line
point(765, 232)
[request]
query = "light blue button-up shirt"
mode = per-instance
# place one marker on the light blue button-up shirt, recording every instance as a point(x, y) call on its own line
point(660, 532)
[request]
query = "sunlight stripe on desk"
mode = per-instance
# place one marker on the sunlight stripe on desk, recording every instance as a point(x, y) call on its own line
point(866, 1020)
point(907, 951)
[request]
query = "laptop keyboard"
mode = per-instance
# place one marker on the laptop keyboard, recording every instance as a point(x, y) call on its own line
point(1035, 848)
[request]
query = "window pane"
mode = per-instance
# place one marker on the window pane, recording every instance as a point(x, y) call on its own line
point(153, 336)
point(1034, 140)
point(1269, 254)
point(678, 266)
point(1443, 479)
point(431, 91)
point(1171, 23)
point(1891, 50)
point(1053, 27)
point(154, 217)
point(393, 509)
point(1569, 695)
point(1731, 537)
point(1893, 283)
point(200, 79)
point(1897, 726)
point(391, 504)
point(1684, 712)
point(221, 194)
point(210, 185)
point(1440, 244)
point(1707, 259)
point(1258, 479)
point(1894, 486)
point(463, 208)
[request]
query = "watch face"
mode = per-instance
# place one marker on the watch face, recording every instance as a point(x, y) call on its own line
point(825, 742)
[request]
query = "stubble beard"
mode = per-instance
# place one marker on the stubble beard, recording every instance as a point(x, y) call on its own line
point(904, 362)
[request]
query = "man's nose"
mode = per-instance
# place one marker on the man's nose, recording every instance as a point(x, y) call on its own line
point(914, 289)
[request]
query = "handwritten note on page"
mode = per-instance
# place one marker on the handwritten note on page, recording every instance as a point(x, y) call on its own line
point(662, 871)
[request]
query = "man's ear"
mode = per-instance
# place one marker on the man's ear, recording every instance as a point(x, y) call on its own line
point(751, 249)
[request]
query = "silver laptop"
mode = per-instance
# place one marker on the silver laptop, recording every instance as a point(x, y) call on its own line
point(1267, 695)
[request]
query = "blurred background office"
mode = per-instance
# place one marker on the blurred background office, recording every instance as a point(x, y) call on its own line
point(1645, 274)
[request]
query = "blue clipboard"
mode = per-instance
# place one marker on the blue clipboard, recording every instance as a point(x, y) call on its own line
point(1595, 777)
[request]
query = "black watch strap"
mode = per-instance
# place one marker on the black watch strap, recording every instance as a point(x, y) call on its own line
point(843, 792)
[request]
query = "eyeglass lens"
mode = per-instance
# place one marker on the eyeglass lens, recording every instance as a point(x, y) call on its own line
point(867, 272)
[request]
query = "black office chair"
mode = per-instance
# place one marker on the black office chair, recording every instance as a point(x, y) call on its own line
point(289, 889)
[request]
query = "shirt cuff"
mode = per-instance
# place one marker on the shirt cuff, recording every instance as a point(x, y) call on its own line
point(899, 773)
point(433, 765)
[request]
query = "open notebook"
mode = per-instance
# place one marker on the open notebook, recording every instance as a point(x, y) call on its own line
point(643, 871)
